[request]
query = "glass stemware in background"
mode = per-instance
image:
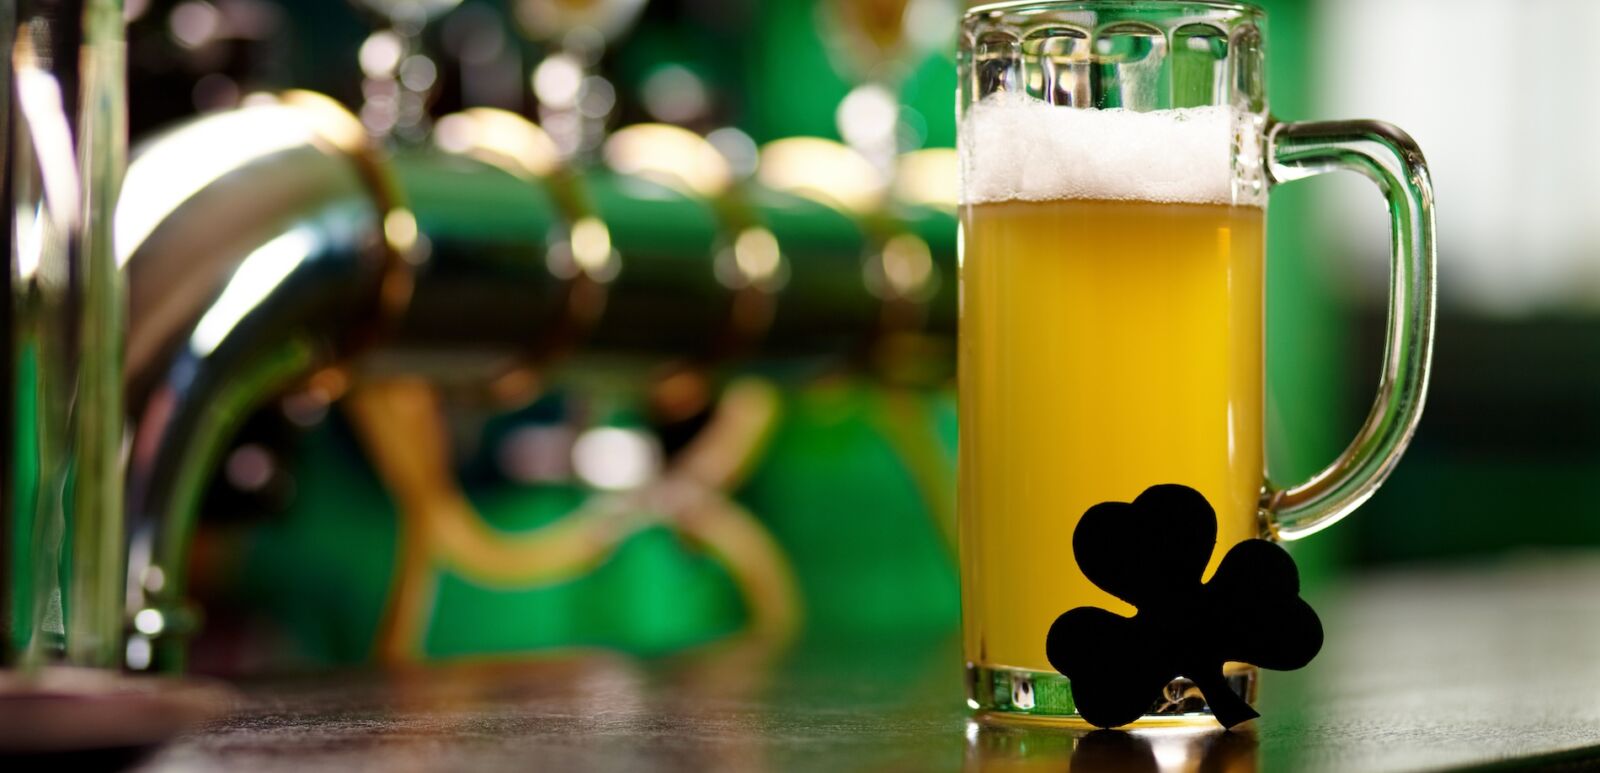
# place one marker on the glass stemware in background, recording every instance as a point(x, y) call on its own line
point(399, 75)
point(61, 536)
point(877, 43)
point(575, 100)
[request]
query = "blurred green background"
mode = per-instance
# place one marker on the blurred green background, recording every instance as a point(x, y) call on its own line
point(295, 570)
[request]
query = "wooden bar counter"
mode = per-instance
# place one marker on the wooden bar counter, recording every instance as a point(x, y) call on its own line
point(1486, 666)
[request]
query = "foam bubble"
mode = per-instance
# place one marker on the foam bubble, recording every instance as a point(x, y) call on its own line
point(1017, 148)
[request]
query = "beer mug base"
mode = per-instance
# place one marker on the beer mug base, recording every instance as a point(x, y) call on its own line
point(1019, 694)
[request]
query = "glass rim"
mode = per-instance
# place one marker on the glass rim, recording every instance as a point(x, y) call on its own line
point(1242, 8)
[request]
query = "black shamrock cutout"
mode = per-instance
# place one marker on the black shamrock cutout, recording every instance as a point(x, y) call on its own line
point(1151, 553)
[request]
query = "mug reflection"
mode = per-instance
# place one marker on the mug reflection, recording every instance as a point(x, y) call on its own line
point(1004, 747)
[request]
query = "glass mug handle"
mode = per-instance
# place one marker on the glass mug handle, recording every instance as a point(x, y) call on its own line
point(1387, 156)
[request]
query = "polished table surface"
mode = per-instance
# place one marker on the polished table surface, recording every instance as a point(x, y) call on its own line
point(1491, 666)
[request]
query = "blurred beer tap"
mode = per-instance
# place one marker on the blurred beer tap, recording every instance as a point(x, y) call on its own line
point(267, 250)
point(284, 247)
point(880, 175)
point(897, 192)
point(747, 261)
point(897, 266)
point(261, 246)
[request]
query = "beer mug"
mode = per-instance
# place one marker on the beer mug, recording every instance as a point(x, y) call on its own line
point(1116, 159)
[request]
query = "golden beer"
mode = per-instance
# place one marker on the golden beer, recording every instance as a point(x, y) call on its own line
point(1106, 346)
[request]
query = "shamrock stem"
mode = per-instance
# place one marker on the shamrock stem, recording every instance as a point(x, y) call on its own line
point(1226, 705)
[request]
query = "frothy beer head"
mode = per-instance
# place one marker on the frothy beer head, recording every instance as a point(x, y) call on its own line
point(1017, 148)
